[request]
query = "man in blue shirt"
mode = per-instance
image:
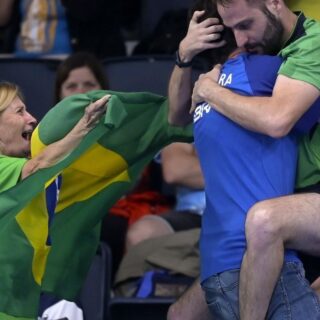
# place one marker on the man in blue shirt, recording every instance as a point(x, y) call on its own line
point(258, 121)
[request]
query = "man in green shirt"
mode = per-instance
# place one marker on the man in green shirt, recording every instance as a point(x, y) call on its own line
point(268, 27)
point(292, 222)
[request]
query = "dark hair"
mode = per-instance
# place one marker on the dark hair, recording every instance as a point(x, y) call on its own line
point(218, 55)
point(226, 3)
point(78, 60)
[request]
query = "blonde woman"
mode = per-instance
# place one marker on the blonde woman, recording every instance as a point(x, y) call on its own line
point(16, 127)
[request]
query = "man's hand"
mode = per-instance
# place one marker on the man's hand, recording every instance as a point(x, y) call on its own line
point(200, 36)
point(205, 86)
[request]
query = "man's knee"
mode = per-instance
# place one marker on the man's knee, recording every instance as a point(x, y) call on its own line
point(262, 225)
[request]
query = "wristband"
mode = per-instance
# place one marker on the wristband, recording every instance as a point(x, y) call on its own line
point(180, 63)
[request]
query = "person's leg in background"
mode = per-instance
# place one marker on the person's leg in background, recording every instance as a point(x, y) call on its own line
point(167, 223)
point(145, 228)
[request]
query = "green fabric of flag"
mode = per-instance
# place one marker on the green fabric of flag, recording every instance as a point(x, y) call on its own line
point(137, 128)
point(103, 167)
point(23, 237)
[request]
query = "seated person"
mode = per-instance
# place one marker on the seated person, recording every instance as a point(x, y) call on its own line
point(180, 167)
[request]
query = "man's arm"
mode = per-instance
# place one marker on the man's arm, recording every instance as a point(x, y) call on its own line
point(199, 38)
point(180, 166)
point(274, 116)
point(56, 151)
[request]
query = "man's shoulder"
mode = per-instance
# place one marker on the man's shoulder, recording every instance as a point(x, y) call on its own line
point(305, 36)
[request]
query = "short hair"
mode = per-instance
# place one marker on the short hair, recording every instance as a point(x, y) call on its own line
point(8, 92)
point(78, 60)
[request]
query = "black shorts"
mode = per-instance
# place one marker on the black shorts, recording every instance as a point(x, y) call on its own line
point(311, 264)
point(182, 220)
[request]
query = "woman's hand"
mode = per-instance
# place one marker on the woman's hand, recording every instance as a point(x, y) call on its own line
point(93, 113)
point(58, 150)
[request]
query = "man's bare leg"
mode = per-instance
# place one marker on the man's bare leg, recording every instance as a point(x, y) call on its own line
point(291, 222)
point(190, 306)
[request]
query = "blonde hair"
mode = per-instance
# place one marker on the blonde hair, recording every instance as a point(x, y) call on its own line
point(8, 92)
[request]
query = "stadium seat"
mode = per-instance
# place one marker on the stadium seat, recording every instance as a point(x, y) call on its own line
point(95, 294)
point(141, 73)
point(36, 80)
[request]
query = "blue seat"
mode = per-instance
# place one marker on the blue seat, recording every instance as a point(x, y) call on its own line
point(95, 293)
point(36, 80)
point(141, 73)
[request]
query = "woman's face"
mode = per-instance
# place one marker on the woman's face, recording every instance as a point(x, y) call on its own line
point(80, 80)
point(16, 126)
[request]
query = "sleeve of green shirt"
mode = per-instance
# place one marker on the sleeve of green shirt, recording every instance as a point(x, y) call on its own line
point(302, 57)
point(10, 171)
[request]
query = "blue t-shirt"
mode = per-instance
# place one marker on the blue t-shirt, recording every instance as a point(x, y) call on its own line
point(190, 200)
point(240, 167)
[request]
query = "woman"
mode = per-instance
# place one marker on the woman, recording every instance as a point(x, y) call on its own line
point(16, 127)
point(79, 73)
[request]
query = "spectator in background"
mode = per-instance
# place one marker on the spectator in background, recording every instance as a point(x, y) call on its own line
point(181, 168)
point(79, 73)
point(51, 27)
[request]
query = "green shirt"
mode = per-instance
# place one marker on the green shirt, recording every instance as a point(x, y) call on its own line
point(10, 171)
point(302, 62)
point(302, 52)
point(309, 160)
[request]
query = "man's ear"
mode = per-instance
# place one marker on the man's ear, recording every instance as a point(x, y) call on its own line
point(275, 6)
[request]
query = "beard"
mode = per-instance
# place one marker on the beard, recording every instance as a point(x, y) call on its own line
point(271, 42)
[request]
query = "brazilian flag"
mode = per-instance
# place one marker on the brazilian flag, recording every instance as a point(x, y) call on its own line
point(95, 175)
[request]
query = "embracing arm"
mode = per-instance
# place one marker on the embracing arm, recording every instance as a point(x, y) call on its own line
point(274, 116)
point(199, 38)
point(56, 151)
point(180, 96)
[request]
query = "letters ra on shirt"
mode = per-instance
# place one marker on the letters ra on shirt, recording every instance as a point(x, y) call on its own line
point(204, 108)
